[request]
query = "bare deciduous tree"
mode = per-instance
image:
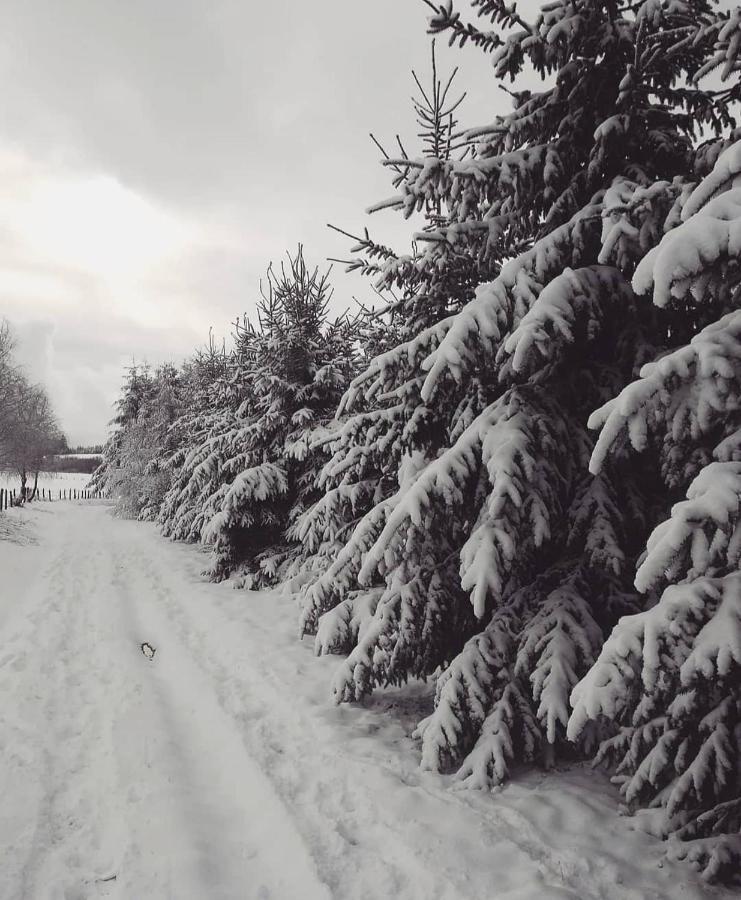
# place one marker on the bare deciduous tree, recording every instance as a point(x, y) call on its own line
point(29, 431)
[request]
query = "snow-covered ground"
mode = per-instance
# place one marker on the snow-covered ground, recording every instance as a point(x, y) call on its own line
point(219, 769)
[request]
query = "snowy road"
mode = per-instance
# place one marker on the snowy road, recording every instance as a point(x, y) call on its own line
point(219, 770)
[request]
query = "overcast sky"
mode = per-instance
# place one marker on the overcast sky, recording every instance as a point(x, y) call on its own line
point(156, 154)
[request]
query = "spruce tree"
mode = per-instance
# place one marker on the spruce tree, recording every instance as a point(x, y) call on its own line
point(670, 677)
point(491, 551)
point(383, 433)
point(455, 248)
point(212, 396)
point(250, 472)
point(134, 392)
point(133, 469)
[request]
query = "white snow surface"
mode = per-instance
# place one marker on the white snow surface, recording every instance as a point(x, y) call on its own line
point(218, 768)
point(50, 481)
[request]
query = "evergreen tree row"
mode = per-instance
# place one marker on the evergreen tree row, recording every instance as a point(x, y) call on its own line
point(523, 476)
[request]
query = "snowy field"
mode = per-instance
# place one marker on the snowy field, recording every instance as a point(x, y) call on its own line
point(51, 481)
point(219, 770)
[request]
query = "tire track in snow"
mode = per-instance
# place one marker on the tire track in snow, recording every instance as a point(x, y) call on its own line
point(204, 819)
point(362, 846)
point(381, 828)
point(356, 852)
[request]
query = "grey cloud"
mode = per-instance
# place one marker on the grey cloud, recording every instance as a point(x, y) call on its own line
point(248, 119)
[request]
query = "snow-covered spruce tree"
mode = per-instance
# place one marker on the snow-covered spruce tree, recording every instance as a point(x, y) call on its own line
point(133, 393)
point(671, 676)
point(253, 473)
point(211, 395)
point(154, 439)
point(366, 452)
point(483, 414)
point(456, 246)
point(132, 469)
point(377, 442)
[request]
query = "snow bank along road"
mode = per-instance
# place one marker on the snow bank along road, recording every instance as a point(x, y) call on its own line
point(219, 769)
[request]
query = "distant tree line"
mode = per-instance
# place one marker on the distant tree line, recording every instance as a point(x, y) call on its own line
point(91, 450)
point(65, 462)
